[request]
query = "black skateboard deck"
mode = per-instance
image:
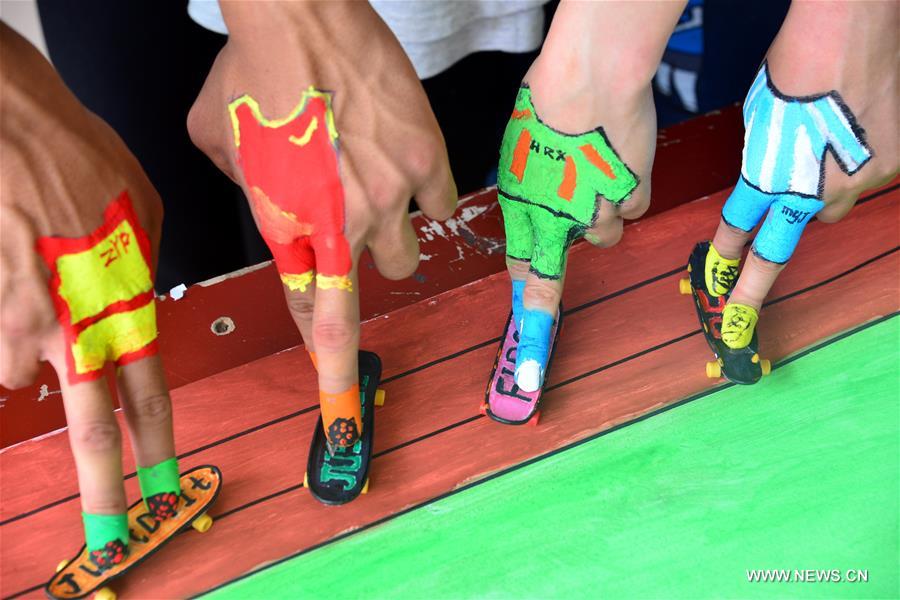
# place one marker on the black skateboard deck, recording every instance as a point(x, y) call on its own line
point(340, 477)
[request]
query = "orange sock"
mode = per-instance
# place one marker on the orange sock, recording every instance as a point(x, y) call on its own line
point(315, 361)
point(342, 416)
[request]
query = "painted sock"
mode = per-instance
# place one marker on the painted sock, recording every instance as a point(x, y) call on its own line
point(533, 350)
point(518, 291)
point(721, 273)
point(342, 416)
point(106, 537)
point(738, 325)
point(160, 488)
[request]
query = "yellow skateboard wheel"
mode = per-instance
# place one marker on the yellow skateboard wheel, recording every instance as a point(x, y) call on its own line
point(306, 480)
point(105, 594)
point(202, 523)
point(684, 286)
point(365, 489)
point(379, 397)
point(766, 366)
point(713, 370)
point(62, 565)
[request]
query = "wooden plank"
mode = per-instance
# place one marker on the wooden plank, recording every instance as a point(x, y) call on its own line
point(418, 464)
point(467, 248)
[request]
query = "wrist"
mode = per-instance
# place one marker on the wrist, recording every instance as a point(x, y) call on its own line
point(255, 18)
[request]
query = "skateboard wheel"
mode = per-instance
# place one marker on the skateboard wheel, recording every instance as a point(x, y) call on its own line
point(482, 410)
point(62, 565)
point(535, 418)
point(306, 479)
point(713, 370)
point(766, 366)
point(684, 286)
point(379, 397)
point(105, 594)
point(202, 523)
point(365, 489)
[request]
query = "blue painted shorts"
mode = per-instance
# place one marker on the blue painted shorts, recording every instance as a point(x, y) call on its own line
point(788, 215)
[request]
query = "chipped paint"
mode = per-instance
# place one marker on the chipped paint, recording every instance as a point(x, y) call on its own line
point(233, 274)
point(426, 256)
point(45, 392)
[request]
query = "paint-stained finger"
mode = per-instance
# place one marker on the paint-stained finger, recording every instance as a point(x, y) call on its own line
point(144, 396)
point(607, 229)
point(541, 299)
point(335, 334)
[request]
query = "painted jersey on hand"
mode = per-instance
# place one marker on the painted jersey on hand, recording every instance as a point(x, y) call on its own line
point(291, 170)
point(787, 138)
point(102, 290)
point(549, 184)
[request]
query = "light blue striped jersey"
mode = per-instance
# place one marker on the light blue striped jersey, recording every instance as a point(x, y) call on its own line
point(786, 138)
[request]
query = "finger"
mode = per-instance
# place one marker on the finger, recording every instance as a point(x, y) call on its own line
point(519, 247)
point(96, 444)
point(335, 334)
point(436, 194)
point(300, 304)
point(756, 279)
point(607, 230)
point(541, 306)
point(543, 291)
point(26, 313)
point(518, 273)
point(145, 400)
point(395, 247)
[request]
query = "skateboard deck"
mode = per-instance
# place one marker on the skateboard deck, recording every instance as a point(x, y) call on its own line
point(78, 577)
point(504, 402)
point(341, 476)
point(742, 366)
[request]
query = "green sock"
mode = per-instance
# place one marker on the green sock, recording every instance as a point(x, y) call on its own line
point(100, 529)
point(162, 478)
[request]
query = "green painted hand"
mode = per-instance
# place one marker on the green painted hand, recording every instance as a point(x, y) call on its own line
point(550, 184)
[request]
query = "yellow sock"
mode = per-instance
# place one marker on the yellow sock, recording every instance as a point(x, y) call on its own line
point(738, 324)
point(721, 273)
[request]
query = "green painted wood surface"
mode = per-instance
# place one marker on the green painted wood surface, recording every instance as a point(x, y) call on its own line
point(801, 471)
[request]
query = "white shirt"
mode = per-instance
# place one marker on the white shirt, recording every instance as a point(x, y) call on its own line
point(437, 33)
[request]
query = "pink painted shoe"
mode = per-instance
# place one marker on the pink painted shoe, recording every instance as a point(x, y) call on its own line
point(504, 402)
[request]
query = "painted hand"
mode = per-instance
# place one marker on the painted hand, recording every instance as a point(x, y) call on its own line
point(78, 238)
point(315, 111)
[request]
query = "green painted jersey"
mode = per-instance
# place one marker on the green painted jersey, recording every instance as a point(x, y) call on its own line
point(560, 172)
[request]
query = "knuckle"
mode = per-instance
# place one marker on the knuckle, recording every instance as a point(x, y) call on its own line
point(156, 408)
point(635, 206)
point(541, 293)
point(98, 436)
point(422, 158)
point(20, 377)
point(300, 305)
point(334, 333)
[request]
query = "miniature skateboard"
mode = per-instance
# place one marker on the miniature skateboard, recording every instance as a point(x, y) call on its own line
point(340, 476)
point(504, 402)
point(742, 366)
point(80, 576)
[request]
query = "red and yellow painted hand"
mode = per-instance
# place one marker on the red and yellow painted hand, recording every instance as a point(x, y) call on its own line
point(102, 289)
point(291, 171)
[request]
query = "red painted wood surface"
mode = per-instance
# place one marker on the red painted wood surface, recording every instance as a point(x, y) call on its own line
point(465, 249)
point(631, 344)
